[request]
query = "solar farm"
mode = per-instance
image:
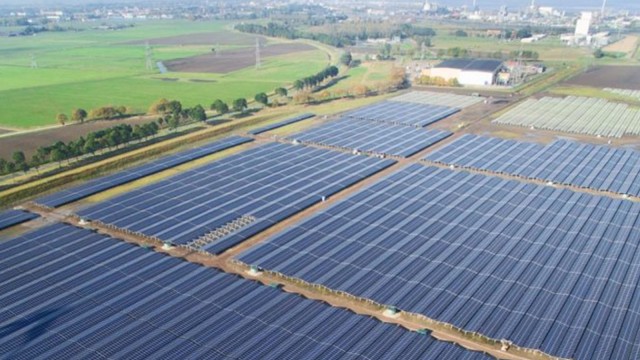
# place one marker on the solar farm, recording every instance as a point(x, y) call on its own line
point(579, 115)
point(370, 234)
point(624, 92)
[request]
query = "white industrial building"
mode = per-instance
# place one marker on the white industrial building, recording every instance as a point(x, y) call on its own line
point(476, 72)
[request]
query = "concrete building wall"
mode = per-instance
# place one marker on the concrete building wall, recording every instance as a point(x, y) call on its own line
point(480, 78)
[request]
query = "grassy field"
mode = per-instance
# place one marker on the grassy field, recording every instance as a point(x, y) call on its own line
point(94, 68)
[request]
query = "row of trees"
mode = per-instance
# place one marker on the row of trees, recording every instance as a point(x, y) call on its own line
point(95, 141)
point(338, 36)
point(437, 81)
point(312, 81)
point(100, 113)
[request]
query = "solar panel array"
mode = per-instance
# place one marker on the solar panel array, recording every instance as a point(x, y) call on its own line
point(624, 92)
point(281, 124)
point(9, 218)
point(122, 177)
point(227, 201)
point(438, 98)
point(549, 269)
point(564, 162)
point(581, 115)
point(68, 293)
point(371, 137)
point(402, 113)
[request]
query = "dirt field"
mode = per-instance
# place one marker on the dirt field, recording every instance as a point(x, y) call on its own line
point(627, 45)
point(30, 141)
point(212, 38)
point(5, 131)
point(231, 60)
point(623, 77)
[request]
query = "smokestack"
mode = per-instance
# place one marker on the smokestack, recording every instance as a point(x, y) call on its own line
point(604, 4)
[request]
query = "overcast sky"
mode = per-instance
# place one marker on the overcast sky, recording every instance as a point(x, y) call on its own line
point(515, 4)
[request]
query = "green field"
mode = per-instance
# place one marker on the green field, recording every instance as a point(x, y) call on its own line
point(93, 68)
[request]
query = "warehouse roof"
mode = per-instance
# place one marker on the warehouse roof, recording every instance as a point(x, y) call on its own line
point(471, 64)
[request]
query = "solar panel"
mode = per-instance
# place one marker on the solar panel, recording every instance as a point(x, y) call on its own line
point(565, 162)
point(280, 124)
point(69, 293)
point(122, 177)
point(546, 268)
point(221, 204)
point(9, 218)
point(402, 113)
point(374, 138)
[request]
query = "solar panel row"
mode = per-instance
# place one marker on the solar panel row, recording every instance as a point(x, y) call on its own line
point(402, 113)
point(564, 162)
point(370, 137)
point(122, 177)
point(68, 293)
point(281, 124)
point(438, 98)
point(268, 183)
point(546, 268)
point(11, 218)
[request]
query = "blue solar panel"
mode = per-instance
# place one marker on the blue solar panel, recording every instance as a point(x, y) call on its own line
point(68, 293)
point(281, 124)
point(402, 113)
point(107, 182)
point(369, 137)
point(11, 218)
point(564, 162)
point(236, 197)
point(547, 268)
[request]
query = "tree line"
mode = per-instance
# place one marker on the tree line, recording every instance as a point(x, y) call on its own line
point(312, 81)
point(341, 38)
point(95, 141)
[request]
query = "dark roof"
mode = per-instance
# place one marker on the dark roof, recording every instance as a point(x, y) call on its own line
point(471, 64)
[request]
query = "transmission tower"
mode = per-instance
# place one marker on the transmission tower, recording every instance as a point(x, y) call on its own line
point(258, 64)
point(149, 55)
point(34, 63)
point(218, 50)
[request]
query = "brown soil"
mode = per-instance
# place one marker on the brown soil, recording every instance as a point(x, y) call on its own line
point(232, 60)
point(5, 131)
point(210, 38)
point(29, 142)
point(623, 77)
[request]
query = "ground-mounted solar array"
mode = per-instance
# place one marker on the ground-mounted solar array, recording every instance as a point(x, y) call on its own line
point(371, 137)
point(581, 115)
point(402, 113)
point(122, 177)
point(221, 204)
point(9, 218)
point(565, 162)
point(547, 268)
point(439, 99)
point(70, 293)
point(282, 123)
point(624, 92)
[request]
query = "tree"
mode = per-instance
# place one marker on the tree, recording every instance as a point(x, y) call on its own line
point(173, 122)
point(197, 113)
point(57, 156)
point(281, 91)
point(262, 98)
point(160, 121)
point(79, 115)
point(598, 54)
point(18, 157)
point(36, 161)
point(90, 146)
point(220, 107)
point(62, 119)
point(298, 85)
point(346, 58)
point(239, 104)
